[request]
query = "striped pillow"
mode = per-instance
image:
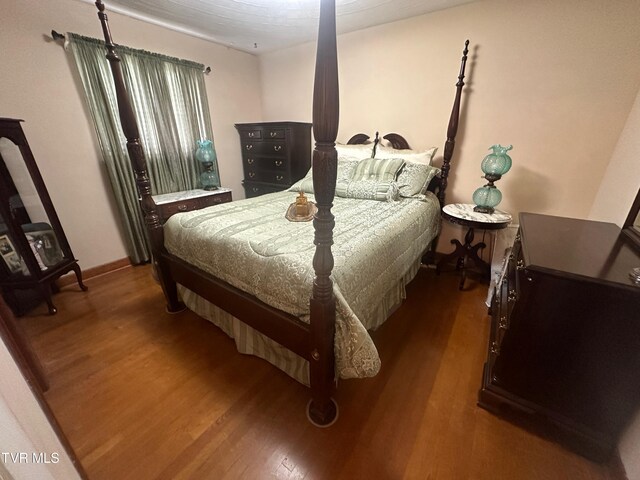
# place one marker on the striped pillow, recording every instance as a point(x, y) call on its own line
point(383, 170)
point(368, 190)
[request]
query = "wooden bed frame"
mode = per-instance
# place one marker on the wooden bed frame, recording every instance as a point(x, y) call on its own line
point(312, 341)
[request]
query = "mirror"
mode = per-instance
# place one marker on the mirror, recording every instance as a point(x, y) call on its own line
point(632, 224)
point(27, 211)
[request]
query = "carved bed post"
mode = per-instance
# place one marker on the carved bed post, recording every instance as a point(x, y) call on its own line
point(139, 164)
point(452, 130)
point(322, 410)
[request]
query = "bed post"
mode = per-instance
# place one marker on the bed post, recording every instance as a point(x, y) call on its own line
point(452, 130)
point(322, 410)
point(139, 164)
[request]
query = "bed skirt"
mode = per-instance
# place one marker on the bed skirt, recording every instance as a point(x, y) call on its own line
point(251, 342)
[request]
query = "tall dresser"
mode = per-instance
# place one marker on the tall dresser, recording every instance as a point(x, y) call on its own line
point(275, 155)
point(564, 343)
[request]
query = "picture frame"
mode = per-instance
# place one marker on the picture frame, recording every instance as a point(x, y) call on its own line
point(44, 244)
point(11, 258)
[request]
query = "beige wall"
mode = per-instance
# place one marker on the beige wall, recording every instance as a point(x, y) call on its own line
point(555, 79)
point(621, 180)
point(25, 429)
point(39, 85)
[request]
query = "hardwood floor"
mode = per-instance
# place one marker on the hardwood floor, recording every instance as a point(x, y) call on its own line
point(142, 394)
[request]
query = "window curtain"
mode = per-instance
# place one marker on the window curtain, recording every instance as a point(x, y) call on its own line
point(170, 103)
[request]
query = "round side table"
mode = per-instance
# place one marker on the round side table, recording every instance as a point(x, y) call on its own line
point(463, 214)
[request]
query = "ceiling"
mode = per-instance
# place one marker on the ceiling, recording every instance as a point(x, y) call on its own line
point(258, 26)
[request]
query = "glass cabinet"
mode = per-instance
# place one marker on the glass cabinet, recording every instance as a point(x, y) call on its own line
point(34, 249)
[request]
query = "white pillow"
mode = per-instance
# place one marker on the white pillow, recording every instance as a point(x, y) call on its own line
point(407, 155)
point(354, 152)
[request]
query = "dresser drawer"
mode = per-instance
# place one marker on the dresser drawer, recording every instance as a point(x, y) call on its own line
point(253, 134)
point(261, 162)
point(268, 176)
point(166, 210)
point(257, 189)
point(270, 147)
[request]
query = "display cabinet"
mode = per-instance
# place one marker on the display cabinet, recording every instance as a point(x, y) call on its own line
point(34, 249)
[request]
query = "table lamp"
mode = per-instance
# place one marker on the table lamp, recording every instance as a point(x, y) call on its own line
point(206, 155)
point(494, 166)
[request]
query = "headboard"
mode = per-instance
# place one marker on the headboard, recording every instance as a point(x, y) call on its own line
point(398, 142)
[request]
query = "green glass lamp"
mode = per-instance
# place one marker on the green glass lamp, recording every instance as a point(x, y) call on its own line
point(494, 166)
point(206, 155)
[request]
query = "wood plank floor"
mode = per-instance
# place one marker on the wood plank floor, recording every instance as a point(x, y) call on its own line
point(142, 394)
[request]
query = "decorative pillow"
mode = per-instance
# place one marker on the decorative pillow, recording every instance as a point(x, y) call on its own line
point(357, 152)
point(385, 170)
point(345, 170)
point(407, 155)
point(384, 191)
point(414, 178)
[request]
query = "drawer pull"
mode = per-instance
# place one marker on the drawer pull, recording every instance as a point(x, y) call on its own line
point(273, 134)
point(255, 189)
point(251, 134)
point(495, 349)
point(252, 174)
point(250, 160)
point(183, 207)
point(248, 147)
point(279, 177)
point(278, 163)
point(277, 148)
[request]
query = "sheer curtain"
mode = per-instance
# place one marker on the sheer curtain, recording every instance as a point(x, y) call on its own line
point(170, 103)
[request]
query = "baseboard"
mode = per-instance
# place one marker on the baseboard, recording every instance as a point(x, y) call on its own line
point(70, 278)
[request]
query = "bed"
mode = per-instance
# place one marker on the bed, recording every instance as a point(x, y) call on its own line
point(303, 292)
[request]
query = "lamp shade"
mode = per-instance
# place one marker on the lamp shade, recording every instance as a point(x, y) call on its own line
point(497, 162)
point(205, 152)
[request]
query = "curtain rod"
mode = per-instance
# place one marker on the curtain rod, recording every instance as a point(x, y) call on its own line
point(60, 36)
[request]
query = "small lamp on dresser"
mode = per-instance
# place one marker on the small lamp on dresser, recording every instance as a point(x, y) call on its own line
point(206, 155)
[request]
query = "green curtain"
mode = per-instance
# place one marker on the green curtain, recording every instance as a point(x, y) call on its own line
point(170, 103)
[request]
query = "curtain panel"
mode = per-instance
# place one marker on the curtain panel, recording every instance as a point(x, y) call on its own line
point(169, 100)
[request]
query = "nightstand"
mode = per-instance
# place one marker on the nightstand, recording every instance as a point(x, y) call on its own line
point(463, 214)
point(188, 200)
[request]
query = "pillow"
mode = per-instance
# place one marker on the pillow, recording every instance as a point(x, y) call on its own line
point(345, 170)
point(385, 170)
point(357, 152)
point(368, 189)
point(407, 155)
point(414, 178)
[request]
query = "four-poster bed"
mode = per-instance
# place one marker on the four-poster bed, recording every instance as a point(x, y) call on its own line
point(310, 338)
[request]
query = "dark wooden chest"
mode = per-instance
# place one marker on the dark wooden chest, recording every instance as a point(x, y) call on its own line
point(274, 155)
point(565, 331)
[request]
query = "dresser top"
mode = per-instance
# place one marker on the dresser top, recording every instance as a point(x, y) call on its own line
point(186, 195)
point(270, 124)
point(567, 246)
